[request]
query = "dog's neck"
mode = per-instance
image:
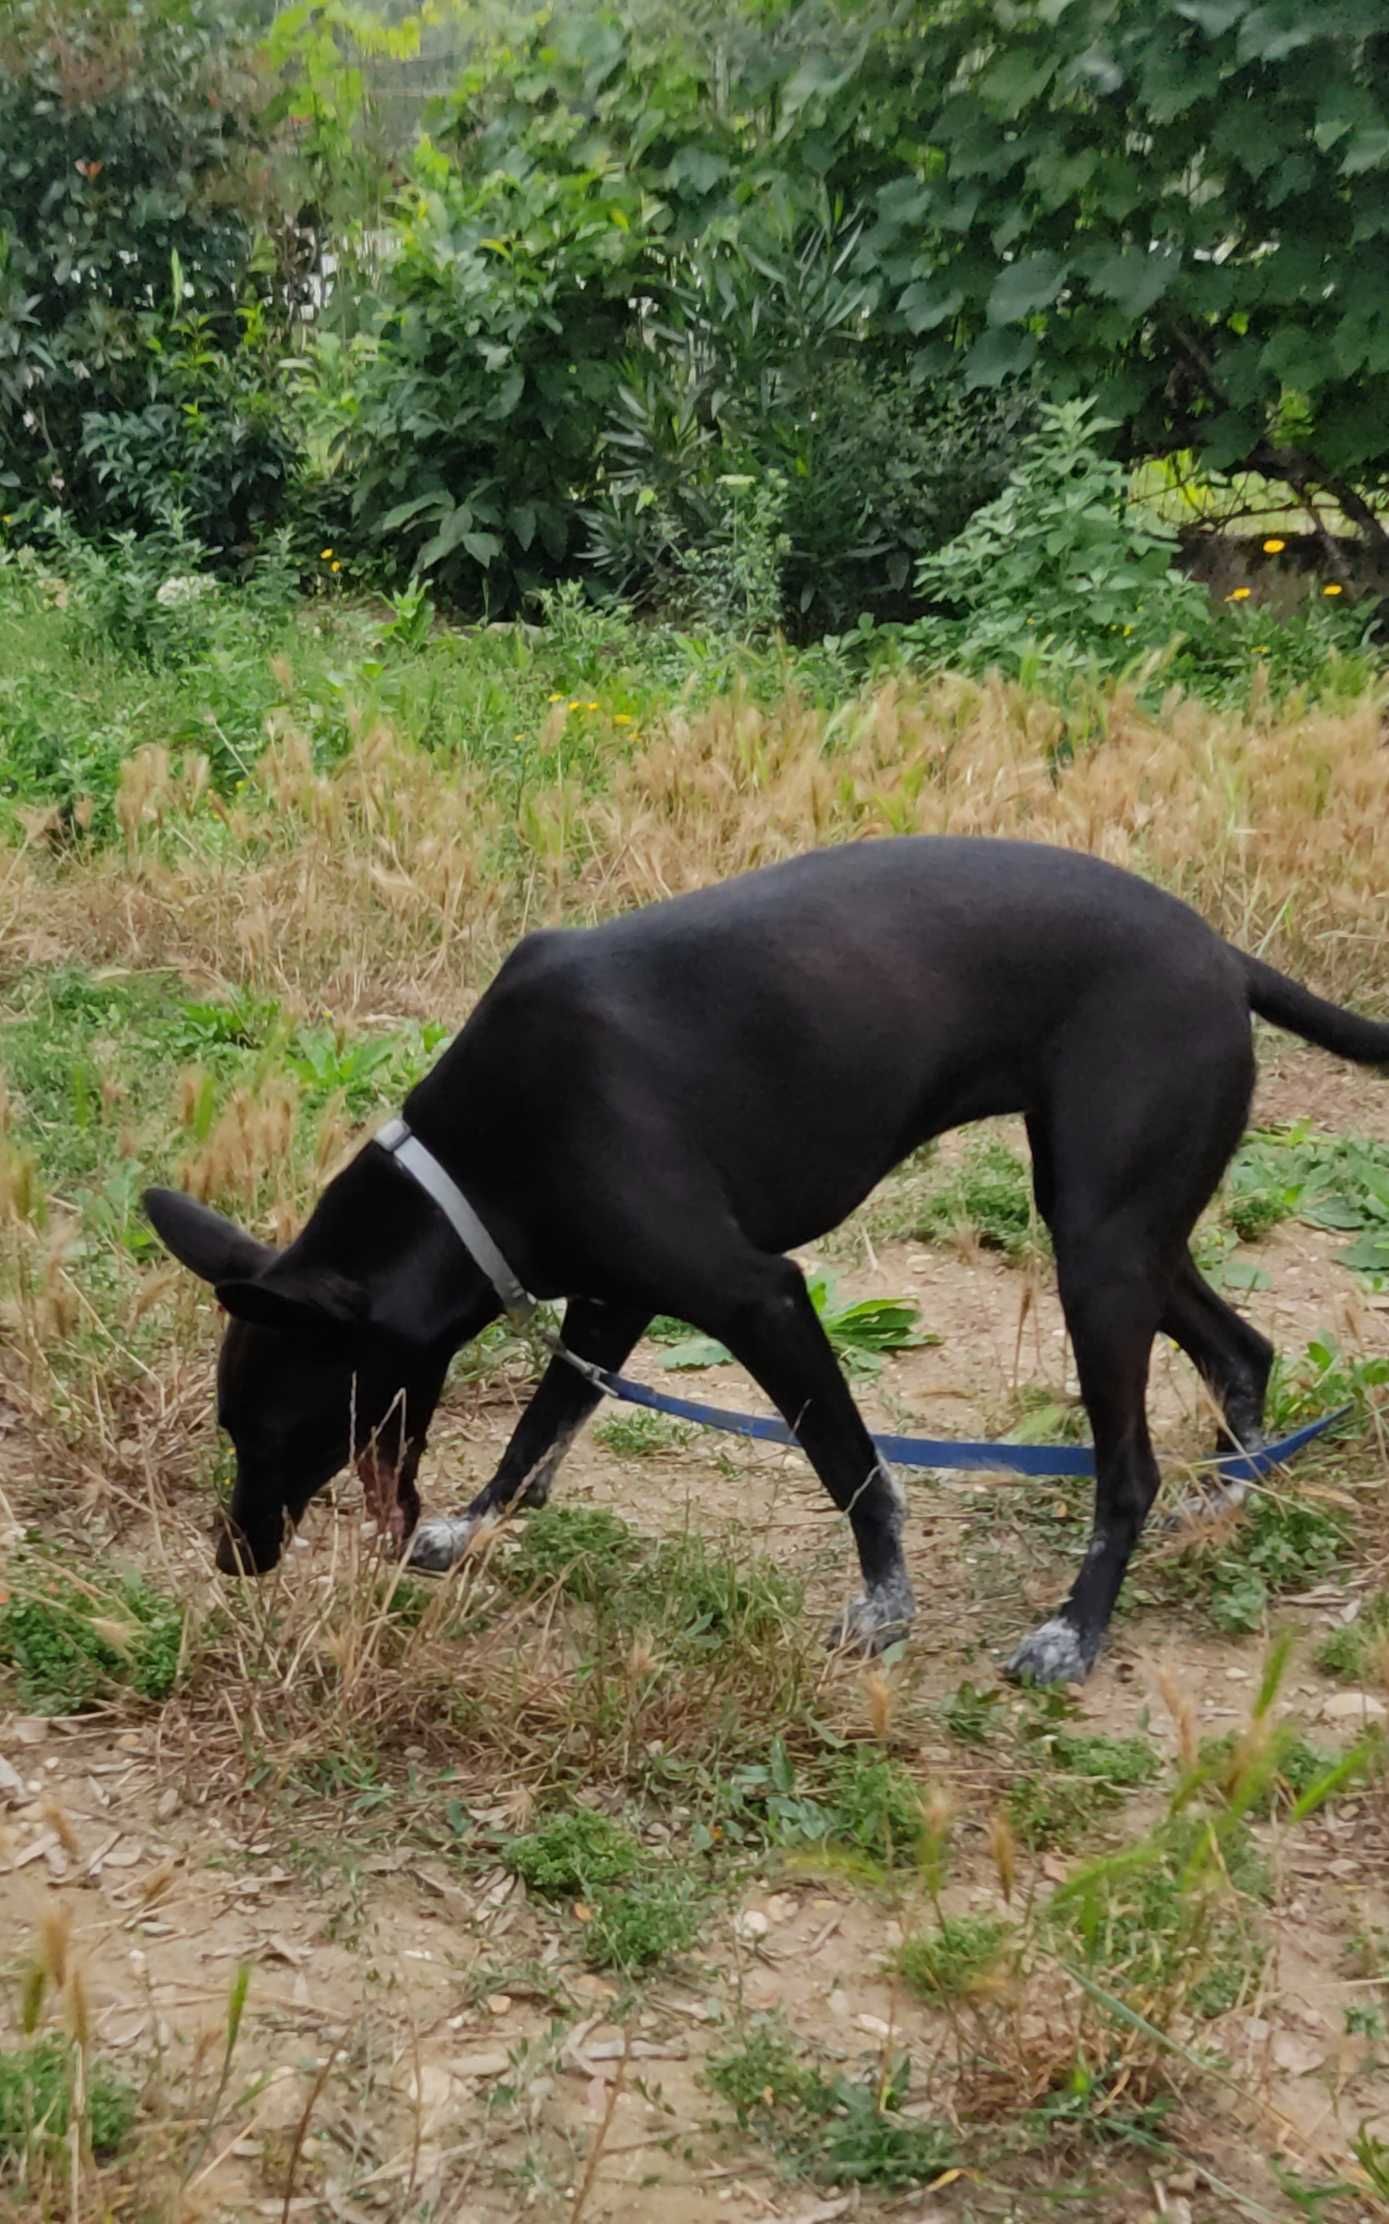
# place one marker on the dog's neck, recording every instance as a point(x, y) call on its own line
point(377, 1225)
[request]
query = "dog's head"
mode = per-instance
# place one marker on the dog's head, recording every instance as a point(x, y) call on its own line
point(307, 1380)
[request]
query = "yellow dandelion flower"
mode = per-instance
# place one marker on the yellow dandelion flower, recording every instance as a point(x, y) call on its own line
point(1274, 547)
point(1333, 589)
point(557, 698)
point(1239, 594)
point(621, 718)
point(325, 555)
point(1261, 648)
point(574, 704)
point(336, 564)
point(590, 706)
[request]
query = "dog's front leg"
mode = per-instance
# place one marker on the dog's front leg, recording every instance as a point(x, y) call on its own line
point(604, 1334)
point(776, 1334)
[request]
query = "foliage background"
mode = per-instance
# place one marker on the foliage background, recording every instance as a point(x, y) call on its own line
point(737, 312)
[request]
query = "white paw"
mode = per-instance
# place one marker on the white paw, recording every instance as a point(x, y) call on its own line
point(881, 1617)
point(1201, 1509)
point(440, 1544)
point(1055, 1653)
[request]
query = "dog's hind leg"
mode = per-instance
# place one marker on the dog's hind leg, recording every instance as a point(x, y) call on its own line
point(1234, 1361)
point(1112, 1297)
point(1128, 1154)
point(772, 1328)
point(603, 1334)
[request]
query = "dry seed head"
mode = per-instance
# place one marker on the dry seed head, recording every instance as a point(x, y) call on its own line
point(641, 1658)
point(55, 1936)
point(878, 1693)
point(59, 1305)
point(20, 1194)
point(120, 1636)
point(79, 2015)
point(1004, 1848)
point(152, 1290)
point(938, 1809)
point(60, 1823)
point(31, 1997)
point(1183, 1715)
point(192, 1082)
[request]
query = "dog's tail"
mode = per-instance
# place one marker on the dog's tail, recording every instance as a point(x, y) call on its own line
point(1289, 1005)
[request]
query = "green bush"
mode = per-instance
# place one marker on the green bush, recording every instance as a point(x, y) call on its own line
point(131, 159)
point(1059, 572)
point(1063, 579)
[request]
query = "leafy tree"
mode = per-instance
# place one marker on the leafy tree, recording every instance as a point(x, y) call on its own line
point(132, 173)
point(1182, 205)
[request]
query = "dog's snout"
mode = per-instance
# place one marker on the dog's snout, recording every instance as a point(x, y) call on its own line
point(238, 1553)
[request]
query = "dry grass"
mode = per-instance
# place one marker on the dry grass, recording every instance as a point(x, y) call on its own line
point(396, 881)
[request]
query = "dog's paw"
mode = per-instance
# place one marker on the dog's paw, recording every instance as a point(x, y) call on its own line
point(440, 1544)
point(1055, 1653)
point(1202, 1509)
point(881, 1617)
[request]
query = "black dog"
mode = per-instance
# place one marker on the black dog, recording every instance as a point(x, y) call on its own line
point(646, 1115)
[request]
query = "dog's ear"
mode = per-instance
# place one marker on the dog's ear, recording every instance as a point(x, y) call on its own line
point(213, 1248)
point(310, 1304)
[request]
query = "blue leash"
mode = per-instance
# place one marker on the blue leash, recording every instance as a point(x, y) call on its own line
point(934, 1451)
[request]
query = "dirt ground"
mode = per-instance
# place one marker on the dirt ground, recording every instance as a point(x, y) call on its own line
point(432, 2048)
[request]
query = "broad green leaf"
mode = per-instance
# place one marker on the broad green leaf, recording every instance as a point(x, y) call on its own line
point(1024, 287)
point(1268, 35)
point(1018, 76)
point(1136, 280)
point(445, 541)
point(999, 354)
point(928, 303)
point(1366, 150)
point(1212, 16)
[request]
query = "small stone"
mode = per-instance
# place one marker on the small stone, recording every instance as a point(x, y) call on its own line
point(1354, 1706)
point(498, 2003)
point(752, 1924)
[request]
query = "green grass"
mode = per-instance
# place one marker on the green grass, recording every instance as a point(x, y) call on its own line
point(861, 1335)
point(633, 1914)
point(686, 1593)
point(1065, 1778)
point(1281, 1543)
point(1170, 1922)
point(989, 1195)
point(643, 1435)
point(1350, 1652)
point(68, 1644)
point(634, 1925)
point(955, 1959)
point(1337, 1183)
point(574, 1851)
point(37, 2086)
point(971, 1716)
point(832, 2129)
point(1280, 1769)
